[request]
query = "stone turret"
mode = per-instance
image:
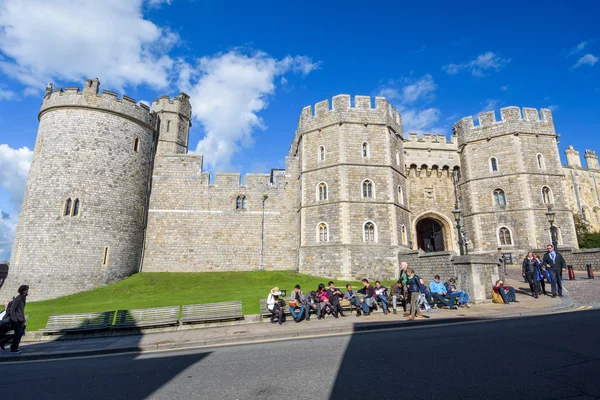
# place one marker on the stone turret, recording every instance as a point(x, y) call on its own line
point(573, 159)
point(591, 159)
point(174, 123)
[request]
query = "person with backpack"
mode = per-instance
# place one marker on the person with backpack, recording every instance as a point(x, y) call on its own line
point(16, 315)
point(414, 291)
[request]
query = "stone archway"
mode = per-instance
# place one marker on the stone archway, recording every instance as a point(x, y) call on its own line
point(432, 232)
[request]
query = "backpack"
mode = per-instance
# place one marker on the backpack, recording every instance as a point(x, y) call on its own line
point(8, 307)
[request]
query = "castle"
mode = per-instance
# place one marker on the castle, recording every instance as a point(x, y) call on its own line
point(112, 191)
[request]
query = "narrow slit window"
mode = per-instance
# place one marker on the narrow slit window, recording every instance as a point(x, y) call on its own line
point(136, 145)
point(493, 164)
point(365, 150)
point(168, 126)
point(76, 207)
point(244, 203)
point(105, 257)
point(321, 153)
point(68, 205)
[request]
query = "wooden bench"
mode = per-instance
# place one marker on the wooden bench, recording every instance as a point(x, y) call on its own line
point(147, 317)
point(83, 322)
point(227, 310)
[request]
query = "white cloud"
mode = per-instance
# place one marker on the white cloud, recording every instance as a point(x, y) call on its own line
point(490, 104)
point(409, 97)
point(577, 49)
point(43, 40)
point(553, 107)
point(14, 169)
point(8, 226)
point(6, 94)
point(228, 91)
point(588, 59)
point(158, 3)
point(480, 66)
point(504, 88)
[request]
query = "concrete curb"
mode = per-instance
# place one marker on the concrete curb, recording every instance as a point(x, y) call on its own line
point(568, 304)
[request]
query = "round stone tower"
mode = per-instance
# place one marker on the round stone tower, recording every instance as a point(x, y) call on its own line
point(82, 219)
point(354, 217)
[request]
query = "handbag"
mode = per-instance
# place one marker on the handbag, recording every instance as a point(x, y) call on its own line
point(345, 303)
point(294, 303)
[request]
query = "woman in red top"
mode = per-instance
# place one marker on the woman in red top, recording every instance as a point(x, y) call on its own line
point(507, 292)
point(323, 298)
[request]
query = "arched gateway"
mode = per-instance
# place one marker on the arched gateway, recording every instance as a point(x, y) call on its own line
point(433, 233)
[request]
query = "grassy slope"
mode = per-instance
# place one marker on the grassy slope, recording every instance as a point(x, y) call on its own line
point(148, 289)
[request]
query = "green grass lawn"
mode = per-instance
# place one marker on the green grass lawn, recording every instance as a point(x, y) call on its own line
point(158, 289)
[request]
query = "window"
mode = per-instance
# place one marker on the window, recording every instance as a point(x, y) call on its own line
point(68, 207)
point(322, 232)
point(76, 207)
point(369, 232)
point(365, 150)
point(499, 197)
point(504, 237)
point(241, 203)
point(105, 257)
point(136, 145)
point(404, 236)
point(322, 191)
point(540, 162)
point(168, 126)
point(493, 164)
point(367, 189)
point(142, 214)
point(546, 195)
point(321, 153)
point(397, 158)
point(19, 250)
point(400, 195)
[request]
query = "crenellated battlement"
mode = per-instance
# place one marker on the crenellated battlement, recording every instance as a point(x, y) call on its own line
point(90, 97)
point(512, 119)
point(179, 104)
point(340, 110)
point(432, 138)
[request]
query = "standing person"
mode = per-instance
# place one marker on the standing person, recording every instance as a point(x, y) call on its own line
point(404, 280)
point(352, 296)
point(414, 290)
point(530, 272)
point(16, 315)
point(542, 274)
point(274, 306)
point(397, 292)
point(297, 303)
point(381, 294)
point(334, 298)
point(555, 264)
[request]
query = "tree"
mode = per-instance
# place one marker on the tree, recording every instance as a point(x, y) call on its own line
point(586, 238)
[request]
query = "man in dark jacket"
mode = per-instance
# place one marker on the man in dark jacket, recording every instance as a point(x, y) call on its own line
point(334, 298)
point(555, 264)
point(16, 314)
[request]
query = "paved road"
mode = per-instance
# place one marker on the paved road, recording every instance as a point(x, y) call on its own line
point(546, 357)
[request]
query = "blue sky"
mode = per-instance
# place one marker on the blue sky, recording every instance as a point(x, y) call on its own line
point(250, 67)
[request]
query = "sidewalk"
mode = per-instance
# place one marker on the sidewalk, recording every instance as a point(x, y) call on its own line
point(248, 332)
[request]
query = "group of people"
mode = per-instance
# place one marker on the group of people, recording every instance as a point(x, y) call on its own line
point(536, 272)
point(409, 291)
point(14, 318)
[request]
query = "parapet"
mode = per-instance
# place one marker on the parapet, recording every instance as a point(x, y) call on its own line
point(180, 104)
point(91, 99)
point(512, 120)
point(591, 159)
point(416, 140)
point(340, 110)
point(431, 152)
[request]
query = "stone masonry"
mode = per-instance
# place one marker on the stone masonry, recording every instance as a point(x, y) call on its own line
point(112, 190)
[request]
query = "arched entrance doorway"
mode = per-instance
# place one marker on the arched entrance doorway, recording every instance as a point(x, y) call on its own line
point(430, 235)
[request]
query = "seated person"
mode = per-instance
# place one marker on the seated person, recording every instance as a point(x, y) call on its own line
point(438, 291)
point(334, 298)
point(424, 297)
point(273, 304)
point(324, 302)
point(381, 294)
point(312, 304)
point(396, 292)
point(506, 292)
point(369, 301)
point(352, 296)
point(297, 302)
point(463, 297)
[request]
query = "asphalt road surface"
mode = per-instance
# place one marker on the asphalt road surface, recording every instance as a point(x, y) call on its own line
point(546, 357)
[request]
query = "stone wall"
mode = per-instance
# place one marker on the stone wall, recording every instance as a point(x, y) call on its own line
point(427, 265)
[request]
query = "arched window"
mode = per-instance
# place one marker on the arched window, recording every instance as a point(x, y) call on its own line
point(68, 204)
point(241, 203)
point(404, 236)
point(493, 164)
point(547, 195)
point(540, 162)
point(322, 232)
point(365, 150)
point(400, 195)
point(367, 189)
point(504, 237)
point(322, 191)
point(369, 232)
point(136, 145)
point(76, 207)
point(321, 153)
point(499, 197)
